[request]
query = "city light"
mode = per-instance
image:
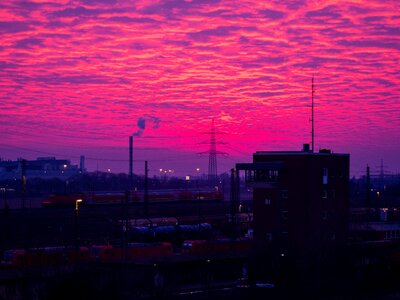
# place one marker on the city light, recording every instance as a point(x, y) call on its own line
point(77, 204)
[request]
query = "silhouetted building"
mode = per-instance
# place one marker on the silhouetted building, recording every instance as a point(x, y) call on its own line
point(300, 205)
point(42, 167)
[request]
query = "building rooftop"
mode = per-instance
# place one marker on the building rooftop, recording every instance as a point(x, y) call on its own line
point(306, 151)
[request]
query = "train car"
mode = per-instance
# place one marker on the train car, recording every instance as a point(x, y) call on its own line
point(171, 233)
point(44, 257)
point(102, 253)
point(77, 255)
point(133, 251)
point(179, 195)
point(14, 258)
point(153, 196)
point(198, 247)
point(104, 198)
point(148, 250)
point(60, 200)
point(216, 247)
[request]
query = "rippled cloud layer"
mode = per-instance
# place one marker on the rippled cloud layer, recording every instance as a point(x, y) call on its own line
point(77, 75)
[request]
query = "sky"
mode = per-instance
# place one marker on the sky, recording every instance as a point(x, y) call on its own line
point(78, 77)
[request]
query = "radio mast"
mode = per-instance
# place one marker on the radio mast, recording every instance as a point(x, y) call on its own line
point(312, 113)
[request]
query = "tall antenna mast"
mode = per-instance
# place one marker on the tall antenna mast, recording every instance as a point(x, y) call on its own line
point(312, 113)
point(212, 159)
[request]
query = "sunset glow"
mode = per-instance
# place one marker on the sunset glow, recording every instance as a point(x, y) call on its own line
point(78, 77)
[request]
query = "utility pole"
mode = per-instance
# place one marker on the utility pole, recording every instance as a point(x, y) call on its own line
point(212, 156)
point(368, 188)
point(23, 181)
point(212, 159)
point(146, 190)
point(130, 162)
point(312, 114)
point(234, 199)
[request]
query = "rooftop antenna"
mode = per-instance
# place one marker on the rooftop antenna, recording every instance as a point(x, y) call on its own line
point(312, 113)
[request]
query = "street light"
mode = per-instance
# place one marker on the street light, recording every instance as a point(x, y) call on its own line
point(77, 201)
point(77, 205)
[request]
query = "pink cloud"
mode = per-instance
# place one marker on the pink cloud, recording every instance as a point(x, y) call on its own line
point(78, 73)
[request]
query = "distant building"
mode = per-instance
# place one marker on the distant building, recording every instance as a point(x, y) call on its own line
point(42, 167)
point(300, 205)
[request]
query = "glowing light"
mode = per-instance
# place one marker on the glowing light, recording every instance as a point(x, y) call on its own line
point(77, 201)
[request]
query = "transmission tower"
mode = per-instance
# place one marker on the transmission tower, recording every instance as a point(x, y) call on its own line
point(212, 155)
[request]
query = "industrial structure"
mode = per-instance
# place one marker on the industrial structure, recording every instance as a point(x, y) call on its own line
point(42, 167)
point(212, 155)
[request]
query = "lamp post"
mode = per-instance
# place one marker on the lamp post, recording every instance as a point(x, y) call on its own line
point(4, 190)
point(77, 201)
point(198, 194)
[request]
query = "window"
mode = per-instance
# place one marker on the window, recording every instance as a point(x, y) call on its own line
point(267, 201)
point(268, 236)
point(284, 194)
point(325, 176)
point(324, 194)
point(284, 214)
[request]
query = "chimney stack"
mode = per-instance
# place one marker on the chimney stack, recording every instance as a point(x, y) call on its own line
point(131, 158)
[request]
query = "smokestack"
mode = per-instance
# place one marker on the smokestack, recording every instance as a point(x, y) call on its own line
point(130, 158)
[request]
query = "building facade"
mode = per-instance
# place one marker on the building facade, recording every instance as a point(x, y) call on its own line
point(300, 205)
point(42, 167)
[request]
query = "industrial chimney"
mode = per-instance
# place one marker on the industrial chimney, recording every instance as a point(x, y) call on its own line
point(130, 158)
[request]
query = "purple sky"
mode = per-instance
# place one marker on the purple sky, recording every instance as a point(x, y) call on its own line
point(79, 76)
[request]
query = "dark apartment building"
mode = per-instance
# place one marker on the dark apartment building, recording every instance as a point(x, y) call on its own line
point(300, 206)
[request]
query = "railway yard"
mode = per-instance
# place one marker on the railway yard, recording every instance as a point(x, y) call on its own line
point(44, 248)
